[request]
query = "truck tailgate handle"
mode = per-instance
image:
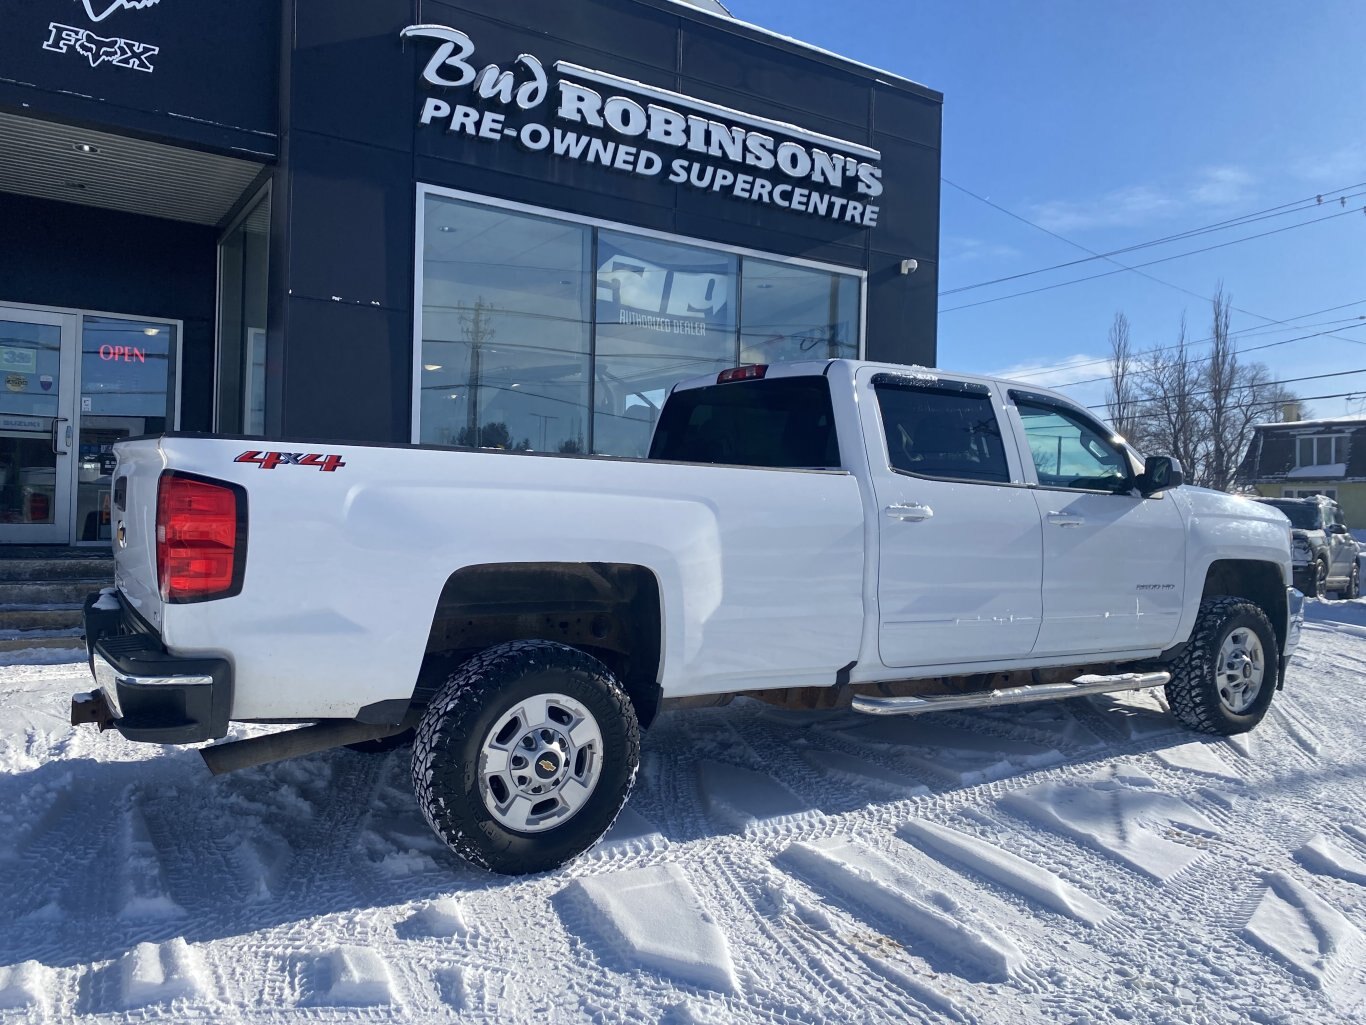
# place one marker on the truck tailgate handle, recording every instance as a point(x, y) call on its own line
point(914, 512)
point(1063, 519)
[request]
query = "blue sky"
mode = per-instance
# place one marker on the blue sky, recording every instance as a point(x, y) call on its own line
point(1118, 123)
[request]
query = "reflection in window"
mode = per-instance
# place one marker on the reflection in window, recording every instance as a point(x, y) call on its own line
point(664, 312)
point(545, 335)
point(947, 433)
point(243, 275)
point(505, 329)
point(793, 313)
point(1067, 453)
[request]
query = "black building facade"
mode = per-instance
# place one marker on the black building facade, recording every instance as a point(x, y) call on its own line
point(444, 221)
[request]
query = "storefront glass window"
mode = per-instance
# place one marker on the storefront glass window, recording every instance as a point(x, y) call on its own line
point(664, 312)
point(243, 274)
point(546, 335)
point(793, 313)
point(505, 329)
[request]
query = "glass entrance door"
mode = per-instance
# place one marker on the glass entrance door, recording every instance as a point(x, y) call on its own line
point(37, 414)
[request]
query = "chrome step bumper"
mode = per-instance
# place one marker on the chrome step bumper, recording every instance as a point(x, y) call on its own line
point(1079, 687)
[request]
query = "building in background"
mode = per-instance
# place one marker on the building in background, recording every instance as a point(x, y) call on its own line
point(449, 223)
point(1311, 457)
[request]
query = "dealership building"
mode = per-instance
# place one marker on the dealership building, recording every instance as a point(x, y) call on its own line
point(453, 223)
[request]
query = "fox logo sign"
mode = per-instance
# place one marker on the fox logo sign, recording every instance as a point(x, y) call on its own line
point(124, 53)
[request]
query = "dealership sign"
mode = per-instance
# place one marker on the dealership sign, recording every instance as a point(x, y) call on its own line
point(643, 130)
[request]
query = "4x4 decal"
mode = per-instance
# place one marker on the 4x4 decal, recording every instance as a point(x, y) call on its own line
point(270, 460)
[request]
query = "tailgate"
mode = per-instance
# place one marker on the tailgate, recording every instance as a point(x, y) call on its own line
point(135, 518)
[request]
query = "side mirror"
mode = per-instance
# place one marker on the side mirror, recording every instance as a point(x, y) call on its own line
point(1337, 528)
point(1160, 473)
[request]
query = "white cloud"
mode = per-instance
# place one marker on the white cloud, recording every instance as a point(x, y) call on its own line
point(1343, 166)
point(1222, 186)
point(962, 249)
point(1057, 373)
point(1135, 205)
point(1121, 208)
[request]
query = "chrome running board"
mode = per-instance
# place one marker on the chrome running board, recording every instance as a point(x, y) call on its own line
point(1079, 687)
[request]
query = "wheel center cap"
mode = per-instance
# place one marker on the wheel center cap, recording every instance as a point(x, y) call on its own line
point(547, 764)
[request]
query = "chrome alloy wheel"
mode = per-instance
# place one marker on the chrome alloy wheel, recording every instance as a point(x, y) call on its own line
point(539, 763)
point(1240, 670)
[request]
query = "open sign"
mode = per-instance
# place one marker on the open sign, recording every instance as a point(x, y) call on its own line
point(122, 354)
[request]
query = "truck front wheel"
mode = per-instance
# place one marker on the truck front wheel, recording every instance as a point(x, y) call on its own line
point(1224, 680)
point(525, 756)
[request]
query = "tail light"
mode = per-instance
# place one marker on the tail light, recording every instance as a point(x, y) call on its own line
point(201, 538)
point(752, 372)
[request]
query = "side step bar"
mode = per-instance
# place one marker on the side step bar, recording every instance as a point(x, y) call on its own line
point(1079, 687)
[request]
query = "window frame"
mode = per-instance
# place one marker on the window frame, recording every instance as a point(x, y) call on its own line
point(1334, 442)
point(425, 190)
point(1017, 395)
point(933, 382)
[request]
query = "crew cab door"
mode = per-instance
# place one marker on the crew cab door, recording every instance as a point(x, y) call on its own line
point(959, 565)
point(1113, 561)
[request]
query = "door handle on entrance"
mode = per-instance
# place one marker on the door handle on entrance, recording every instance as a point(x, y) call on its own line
point(913, 512)
point(67, 437)
point(1066, 519)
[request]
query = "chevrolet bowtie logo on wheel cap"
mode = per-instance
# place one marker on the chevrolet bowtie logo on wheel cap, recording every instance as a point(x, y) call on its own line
point(546, 765)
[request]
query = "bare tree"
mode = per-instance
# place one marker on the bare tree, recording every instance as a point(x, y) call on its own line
point(1168, 383)
point(1200, 410)
point(1122, 394)
point(1222, 398)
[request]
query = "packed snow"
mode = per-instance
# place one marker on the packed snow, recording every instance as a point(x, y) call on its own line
point(1079, 863)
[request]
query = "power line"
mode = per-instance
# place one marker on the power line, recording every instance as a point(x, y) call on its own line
point(1285, 325)
point(1205, 359)
point(1299, 206)
point(1108, 259)
point(1259, 384)
point(1268, 402)
point(1152, 263)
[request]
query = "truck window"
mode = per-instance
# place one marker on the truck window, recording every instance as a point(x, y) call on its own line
point(947, 430)
point(1069, 453)
point(784, 422)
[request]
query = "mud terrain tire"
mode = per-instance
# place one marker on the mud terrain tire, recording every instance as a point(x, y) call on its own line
point(1199, 692)
point(482, 714)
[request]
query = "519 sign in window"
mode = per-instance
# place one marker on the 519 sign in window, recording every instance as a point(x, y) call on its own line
point(270, 460)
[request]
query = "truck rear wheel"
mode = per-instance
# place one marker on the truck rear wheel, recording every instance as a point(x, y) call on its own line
point(1224, 680)
point(525, 756)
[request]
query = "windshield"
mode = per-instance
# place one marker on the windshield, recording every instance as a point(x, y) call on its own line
point(1303, 515)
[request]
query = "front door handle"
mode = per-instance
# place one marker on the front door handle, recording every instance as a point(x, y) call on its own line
point(913, 512)
point(1063, 519)
point(56, 424)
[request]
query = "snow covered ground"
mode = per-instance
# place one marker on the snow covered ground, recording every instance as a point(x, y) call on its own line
point(1079, 863)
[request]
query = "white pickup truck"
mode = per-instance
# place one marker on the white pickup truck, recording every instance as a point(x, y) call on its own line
point(817, 535)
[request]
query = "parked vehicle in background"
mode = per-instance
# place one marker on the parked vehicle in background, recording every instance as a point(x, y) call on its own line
point(833, 534)
point(1323, 551)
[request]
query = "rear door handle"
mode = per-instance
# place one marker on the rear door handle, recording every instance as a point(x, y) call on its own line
point(1063, 519)
point(913, 512)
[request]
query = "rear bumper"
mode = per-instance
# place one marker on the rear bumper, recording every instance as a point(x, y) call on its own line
point(153, 696)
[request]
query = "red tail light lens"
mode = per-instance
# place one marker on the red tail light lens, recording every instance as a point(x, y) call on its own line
point(201, 538)
point(753, 372)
